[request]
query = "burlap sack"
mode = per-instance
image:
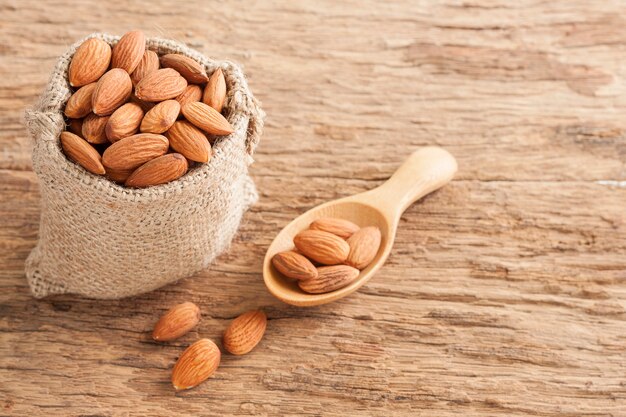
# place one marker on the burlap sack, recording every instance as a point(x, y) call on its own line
point(102, 240)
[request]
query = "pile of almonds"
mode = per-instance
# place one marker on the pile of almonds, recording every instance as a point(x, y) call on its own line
point(138, 118)
point(201, 359)
point(330, 255)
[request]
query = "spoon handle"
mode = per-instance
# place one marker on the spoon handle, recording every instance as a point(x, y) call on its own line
point(426, 170)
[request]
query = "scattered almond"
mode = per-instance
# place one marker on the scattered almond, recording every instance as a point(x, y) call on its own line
point(364, 246)
point(179, 320)
point(160, 85)
point(81, 152)
point(189, 141)
point(207, 118)
point(215, 91)
point(197, 363)
point(111, 91)
point(189, 68)
point(128, 52)
point(124, 122)
point(161, 117)
point(93, 128)
point(134, 151)
point(329, 278)
point(79, 104)
point(322, 247)
point(293, 265)
point(89, 62)
point(160, 170)
point(340, 227)
point(245, 332)
point(149, 63)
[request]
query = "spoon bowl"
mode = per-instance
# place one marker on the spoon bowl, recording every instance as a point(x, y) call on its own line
point(426, 170)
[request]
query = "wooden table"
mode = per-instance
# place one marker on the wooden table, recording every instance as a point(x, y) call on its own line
point(505, 293)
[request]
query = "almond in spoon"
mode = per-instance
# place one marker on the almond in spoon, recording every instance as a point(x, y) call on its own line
point(329, 278)
point(322, 247)
point(293, 265)
point(340, 227)
point(364, 246)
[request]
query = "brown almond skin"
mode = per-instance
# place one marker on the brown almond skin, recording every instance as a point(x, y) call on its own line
point(127, 53)
point(293, 265)
point(215, 91)
point(364, 246)
point(75, 126)
point(118, 175)
point(81, 152)
point(340, 227)
point(197, 363)
point(79, 104)
point(112, 90)
point(178, 321)
point(207, 118)
point(134, 151)
point(94, 128)
point(146, 106)
point(322, 247)
point(161, 117)
point(189, 68)
point(124, 122)
point(330, 278)
point(160, 85)
point(189, 141)
point(192, 93)
point(245, 332)
point(89, 62)
point(159, 170)
point(149, 63)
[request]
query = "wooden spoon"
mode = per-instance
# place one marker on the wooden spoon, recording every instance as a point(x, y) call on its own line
point(426, 170)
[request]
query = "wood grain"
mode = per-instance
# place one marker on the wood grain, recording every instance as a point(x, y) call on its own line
point(505, 293)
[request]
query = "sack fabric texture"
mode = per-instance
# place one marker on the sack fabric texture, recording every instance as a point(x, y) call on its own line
point(102, 240)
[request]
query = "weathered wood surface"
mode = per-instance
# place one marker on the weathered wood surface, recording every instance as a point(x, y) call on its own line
point(506, 291)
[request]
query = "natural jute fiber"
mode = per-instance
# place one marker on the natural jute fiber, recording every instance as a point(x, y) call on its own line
point(101, 240)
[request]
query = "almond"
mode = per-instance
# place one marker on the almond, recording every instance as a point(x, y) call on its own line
point(329, 278)
point(81, 152)
point(75, 126)
point(192, 93)
point(159, 170)
point(340, 227)
point(118, 175)
point(128, 52)
point(215, 91)
point(245, 332)
point(89, 62)
point(149, 63)
point(79, 104)
point(197, 363)
point(207, 118)
point(134, 151)
point(190, 69)
point(160, 85)
point(112, 90)
point(124, 122)
point(322, 247)
point(189, 141)
point(161, 117)
point(364, 246)
point(94, 128)
point(293, 265)
point(179, 320)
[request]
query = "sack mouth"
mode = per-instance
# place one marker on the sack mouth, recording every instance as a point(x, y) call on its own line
point(46, 121)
